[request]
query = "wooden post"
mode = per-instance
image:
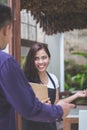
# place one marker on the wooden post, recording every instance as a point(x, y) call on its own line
point(15, 44)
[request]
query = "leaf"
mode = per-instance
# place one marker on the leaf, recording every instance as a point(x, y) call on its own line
point(80, 53)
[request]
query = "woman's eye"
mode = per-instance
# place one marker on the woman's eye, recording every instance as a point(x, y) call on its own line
point(41, 58)
point(44, 57)
point(36, 58)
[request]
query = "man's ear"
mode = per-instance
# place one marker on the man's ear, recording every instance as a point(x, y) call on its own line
point(6, 29)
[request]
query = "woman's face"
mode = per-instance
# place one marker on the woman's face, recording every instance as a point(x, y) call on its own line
point(41, 60)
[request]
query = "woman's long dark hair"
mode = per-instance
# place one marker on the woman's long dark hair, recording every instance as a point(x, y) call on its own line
point(29, 67)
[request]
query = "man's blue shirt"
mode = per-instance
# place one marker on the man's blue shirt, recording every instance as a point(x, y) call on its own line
point(17, 95)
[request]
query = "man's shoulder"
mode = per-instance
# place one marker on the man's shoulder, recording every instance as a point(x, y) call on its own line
point(3, 57)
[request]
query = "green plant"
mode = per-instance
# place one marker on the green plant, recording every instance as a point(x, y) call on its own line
point(23, 58)
point(83, 54)
point(75, 75)
point(4, 1)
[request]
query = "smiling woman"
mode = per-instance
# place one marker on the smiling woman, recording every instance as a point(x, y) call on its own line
point(36, 63)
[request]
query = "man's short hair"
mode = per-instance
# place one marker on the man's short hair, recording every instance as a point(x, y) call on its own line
point(5, 15)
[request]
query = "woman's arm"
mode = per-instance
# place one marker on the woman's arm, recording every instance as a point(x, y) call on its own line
point(79, 94)
point(57, 96)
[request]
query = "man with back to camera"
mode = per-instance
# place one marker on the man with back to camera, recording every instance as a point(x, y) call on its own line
point(15, 92)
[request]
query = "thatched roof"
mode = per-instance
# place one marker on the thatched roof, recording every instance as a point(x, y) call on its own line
point(58, 15)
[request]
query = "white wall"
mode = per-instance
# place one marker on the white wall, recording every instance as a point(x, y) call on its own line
point(82, 119)
point(56, 66)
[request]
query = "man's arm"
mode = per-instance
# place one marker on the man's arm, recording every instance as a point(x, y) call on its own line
point(21, 96)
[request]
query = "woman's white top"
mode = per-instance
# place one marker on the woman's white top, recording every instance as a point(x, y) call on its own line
point(50, 84)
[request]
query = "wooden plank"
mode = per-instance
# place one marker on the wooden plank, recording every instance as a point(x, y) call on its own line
point(15, 44)
point(68, 121)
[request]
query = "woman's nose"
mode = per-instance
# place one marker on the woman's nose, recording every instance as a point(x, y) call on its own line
point(40, 60)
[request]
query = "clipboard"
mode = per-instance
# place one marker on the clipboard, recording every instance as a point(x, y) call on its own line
point(40, 90)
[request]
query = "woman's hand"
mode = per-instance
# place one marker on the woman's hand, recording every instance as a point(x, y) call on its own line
point(81, 94)
point(47, 101)
point(78, 94)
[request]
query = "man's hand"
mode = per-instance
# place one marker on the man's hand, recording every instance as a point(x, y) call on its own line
point(66, 107)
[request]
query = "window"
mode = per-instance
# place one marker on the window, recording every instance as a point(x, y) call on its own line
point(30, 30)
